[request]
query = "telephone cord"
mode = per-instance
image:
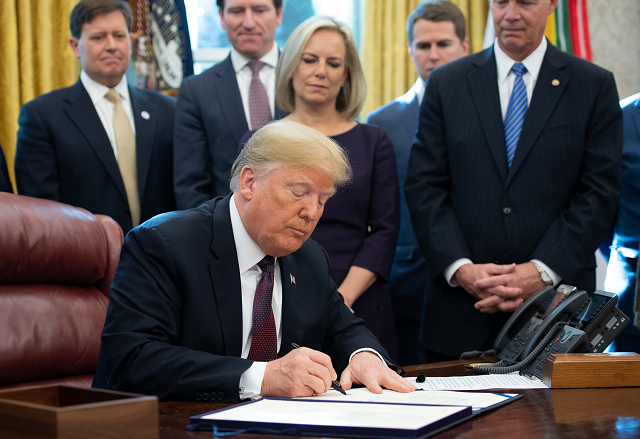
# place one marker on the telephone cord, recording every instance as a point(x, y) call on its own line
point(499, 368)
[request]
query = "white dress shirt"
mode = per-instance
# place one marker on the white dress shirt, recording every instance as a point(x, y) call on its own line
point(267, 75)
point(104, 107)
point(418, 88)
point(506, 78)
point(249, 254)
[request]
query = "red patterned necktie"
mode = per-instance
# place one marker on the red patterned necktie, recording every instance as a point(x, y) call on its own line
point(259, 109)
point(263, 331)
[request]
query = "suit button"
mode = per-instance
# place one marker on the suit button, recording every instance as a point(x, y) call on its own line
point(506, 210)
point(497, 260)
point(220, 396)
point(198, 397)
point(205, 397)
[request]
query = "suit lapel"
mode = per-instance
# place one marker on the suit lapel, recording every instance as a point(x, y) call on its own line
point(292, 324)
point(483, 84)
point(226, 86)
point(83, 114)
point(543, 102)
point(226, 288)
point(411, 118)
point(145, 130)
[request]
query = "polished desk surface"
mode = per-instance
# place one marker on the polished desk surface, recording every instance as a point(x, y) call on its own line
point(560, 413)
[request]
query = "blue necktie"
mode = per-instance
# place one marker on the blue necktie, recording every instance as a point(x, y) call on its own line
point(515, 111)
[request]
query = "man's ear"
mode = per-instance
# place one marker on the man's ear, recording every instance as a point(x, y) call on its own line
point(247, 183)
point(73, 42)
point(221, 12)
point(465, 47)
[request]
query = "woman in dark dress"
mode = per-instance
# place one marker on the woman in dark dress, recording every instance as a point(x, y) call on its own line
point(320, 81)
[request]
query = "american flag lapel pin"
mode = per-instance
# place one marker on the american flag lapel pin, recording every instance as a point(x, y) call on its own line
point(293, 279)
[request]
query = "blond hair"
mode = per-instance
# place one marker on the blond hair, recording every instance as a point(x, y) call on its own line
point(290, 144)
point(352, 94)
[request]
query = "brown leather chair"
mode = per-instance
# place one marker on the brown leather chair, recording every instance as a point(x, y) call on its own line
point(56, 265)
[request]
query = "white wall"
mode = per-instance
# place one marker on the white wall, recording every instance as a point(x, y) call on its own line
point(615, 41)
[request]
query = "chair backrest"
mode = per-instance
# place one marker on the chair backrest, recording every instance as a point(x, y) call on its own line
point(56, 265)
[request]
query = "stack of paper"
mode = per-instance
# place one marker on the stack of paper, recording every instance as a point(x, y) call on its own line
point(478, 401)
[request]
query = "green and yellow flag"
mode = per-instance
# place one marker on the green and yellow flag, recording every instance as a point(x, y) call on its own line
point(568, 28)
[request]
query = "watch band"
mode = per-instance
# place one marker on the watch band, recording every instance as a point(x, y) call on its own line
point(543, 275)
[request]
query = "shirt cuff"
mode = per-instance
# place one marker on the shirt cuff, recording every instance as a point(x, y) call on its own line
point(369, 350)
point(451, 270)
point(251, 380)
point(552, 274)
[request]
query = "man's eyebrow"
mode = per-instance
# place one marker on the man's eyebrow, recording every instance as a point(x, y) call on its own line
point(307, 183)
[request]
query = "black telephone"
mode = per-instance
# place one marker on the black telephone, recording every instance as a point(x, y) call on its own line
point(556, 321)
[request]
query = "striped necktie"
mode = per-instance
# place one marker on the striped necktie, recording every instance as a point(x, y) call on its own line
point(515, 111)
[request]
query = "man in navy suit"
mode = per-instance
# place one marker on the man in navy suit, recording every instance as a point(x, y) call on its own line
point(496, 225)
point(5, 182)
point(214, 111)
point(623, 264)
point(207, 303)
point(69, 148)
point(436, 36)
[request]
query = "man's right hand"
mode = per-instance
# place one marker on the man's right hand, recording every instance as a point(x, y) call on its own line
point(468, 274)
point(302, 372)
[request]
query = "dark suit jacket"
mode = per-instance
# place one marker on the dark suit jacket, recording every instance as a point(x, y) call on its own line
point(410, 273)
point(174, 322)
point(210, 121)
point(5, 182)
point(554, 204)
point(64, 154)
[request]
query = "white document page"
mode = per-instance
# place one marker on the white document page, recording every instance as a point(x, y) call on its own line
point(477, 401)
point(292, 412)
point(479, 382)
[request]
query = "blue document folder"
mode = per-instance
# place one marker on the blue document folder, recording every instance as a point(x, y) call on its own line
point(334, 418)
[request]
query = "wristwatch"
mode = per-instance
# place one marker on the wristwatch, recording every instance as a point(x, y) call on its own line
point(544, 276)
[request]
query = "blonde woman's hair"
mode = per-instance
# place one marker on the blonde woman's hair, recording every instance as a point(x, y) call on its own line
point(290, 144)
point(352, 94)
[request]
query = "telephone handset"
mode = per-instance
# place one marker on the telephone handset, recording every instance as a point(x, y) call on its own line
point(592, 329)
point(532, 321)
point(556, 321)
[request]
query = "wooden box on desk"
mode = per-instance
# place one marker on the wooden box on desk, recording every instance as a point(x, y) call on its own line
point(65, 412)
point(577, 371)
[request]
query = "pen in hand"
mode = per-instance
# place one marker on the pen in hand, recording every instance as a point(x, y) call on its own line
point(335, 383)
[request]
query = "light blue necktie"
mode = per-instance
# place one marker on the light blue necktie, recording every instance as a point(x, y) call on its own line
point(515, 112)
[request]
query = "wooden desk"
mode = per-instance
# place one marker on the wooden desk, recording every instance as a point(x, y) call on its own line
point(562, 413)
